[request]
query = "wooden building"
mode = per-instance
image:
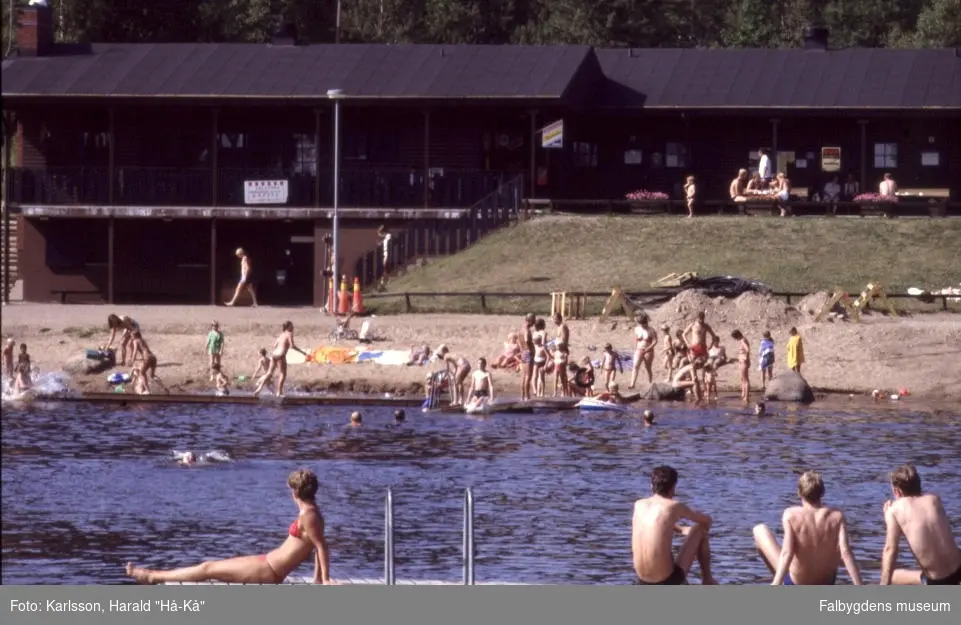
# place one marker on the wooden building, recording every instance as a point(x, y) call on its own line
point(135, 166)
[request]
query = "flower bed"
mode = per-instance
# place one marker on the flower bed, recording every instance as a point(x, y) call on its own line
point(642, 195)
point(884, 203)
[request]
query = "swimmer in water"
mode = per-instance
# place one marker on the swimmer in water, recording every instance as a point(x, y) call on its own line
point(278, 359)
point(648, 418)
point(356, 420)
point(305, 536)
point(188, 459)
point(399, 416)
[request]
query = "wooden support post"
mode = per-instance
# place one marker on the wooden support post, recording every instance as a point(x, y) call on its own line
point(110, 259)
point(317, 116)
point(111, 157)
point(774, 125)
point(213, 261)
point(407, 305)
point(8, 133)
point(214, 157)
point(863, 123)
point(427, 159)
point(533, 165)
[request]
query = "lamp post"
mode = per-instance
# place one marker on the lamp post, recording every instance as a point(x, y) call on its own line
point(336, 95)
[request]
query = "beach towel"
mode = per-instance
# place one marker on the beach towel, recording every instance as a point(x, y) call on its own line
point(334, 355)
point(393, 357)
point(766, 354)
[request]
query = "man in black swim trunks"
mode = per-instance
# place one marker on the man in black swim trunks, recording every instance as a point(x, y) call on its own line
point(921, 519)
point(655, 523)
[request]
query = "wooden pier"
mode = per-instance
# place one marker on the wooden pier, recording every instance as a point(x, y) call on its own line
point(357, 581)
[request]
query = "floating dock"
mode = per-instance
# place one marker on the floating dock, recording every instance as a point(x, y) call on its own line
point(287, 400)
point(560, 403)
point(357, 581)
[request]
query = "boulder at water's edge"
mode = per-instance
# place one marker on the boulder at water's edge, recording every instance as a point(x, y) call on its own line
point(789, 386)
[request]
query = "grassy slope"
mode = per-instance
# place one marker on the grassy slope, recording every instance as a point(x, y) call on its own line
point(598, 253)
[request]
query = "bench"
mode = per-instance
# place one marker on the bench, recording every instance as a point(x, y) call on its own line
point(65, 292)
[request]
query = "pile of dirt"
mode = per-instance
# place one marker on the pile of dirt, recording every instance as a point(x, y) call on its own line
point(813, 303)
point(749, 310)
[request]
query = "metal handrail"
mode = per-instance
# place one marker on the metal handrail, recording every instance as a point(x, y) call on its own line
point(389, 538)
point(468, 542)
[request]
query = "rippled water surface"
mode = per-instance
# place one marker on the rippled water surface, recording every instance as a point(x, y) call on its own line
point(87, 487)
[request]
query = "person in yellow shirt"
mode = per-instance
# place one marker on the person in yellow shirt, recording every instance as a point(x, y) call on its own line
point(795, 351)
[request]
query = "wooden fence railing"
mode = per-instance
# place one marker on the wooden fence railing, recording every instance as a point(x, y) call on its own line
point(651, 297)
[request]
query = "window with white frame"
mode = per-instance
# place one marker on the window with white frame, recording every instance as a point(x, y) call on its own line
point(885, 155)
point(675, 155)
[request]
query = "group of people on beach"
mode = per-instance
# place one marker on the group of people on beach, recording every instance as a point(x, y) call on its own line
point(134, 352)
point(17, 372)
point(815, 544)
point(691, 359)
point(815, 541)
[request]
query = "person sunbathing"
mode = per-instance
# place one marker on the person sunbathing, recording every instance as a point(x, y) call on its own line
point(511, 358)
point(420, 356)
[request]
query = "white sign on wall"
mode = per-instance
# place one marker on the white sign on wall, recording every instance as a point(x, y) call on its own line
point(265, 191)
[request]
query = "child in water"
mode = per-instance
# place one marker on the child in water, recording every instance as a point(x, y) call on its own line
point(23, 369)
point(221, 382)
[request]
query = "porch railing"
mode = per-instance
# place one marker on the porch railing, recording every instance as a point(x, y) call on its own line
point(158, 186)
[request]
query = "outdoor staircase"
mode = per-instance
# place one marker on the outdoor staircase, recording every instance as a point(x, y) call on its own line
point(9, 222)
point(409, 247)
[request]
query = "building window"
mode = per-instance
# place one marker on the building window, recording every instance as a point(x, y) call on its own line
point(885, 155)
point(676, 155)
point(633, 157)
point(305, 154)
point(585, 154)
point(930, 159)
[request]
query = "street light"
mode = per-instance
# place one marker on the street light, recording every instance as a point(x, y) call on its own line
point(336, 95)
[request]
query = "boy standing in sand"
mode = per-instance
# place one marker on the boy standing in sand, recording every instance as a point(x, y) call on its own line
point(656, 521)
point(766, 358)
point(921, 519)
point(215, 347)
point(668, 351)
point(815, 541)
point(795, 351)
point(610, 364)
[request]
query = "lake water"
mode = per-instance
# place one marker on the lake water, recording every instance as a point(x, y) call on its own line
point(88, 487)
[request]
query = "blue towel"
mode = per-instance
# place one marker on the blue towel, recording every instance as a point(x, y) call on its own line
point(766, 354)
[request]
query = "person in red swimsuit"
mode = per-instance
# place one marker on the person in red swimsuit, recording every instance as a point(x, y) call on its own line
point(304, 536)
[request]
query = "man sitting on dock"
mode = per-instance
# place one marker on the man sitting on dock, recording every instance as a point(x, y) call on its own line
point(921, 518)
point(655, 522)
point(815, 541)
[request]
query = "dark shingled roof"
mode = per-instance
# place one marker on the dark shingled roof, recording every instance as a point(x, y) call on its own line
point(264, 71)
point(782, 78)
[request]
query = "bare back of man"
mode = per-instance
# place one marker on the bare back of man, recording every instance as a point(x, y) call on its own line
point(654, 525)
point(925, 525)
point(815, 541)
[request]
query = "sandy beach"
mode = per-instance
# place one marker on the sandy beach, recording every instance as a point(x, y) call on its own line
point(918, 353)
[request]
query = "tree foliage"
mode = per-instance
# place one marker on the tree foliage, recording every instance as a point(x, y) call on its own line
point(636, 23)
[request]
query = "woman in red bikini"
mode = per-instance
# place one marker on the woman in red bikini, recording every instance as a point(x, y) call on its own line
point(304, 536)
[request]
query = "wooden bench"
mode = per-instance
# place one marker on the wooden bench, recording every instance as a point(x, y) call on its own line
point(66, 292)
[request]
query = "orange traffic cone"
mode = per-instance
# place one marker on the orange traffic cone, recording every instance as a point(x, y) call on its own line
point(343, 303)
point(358, 299)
